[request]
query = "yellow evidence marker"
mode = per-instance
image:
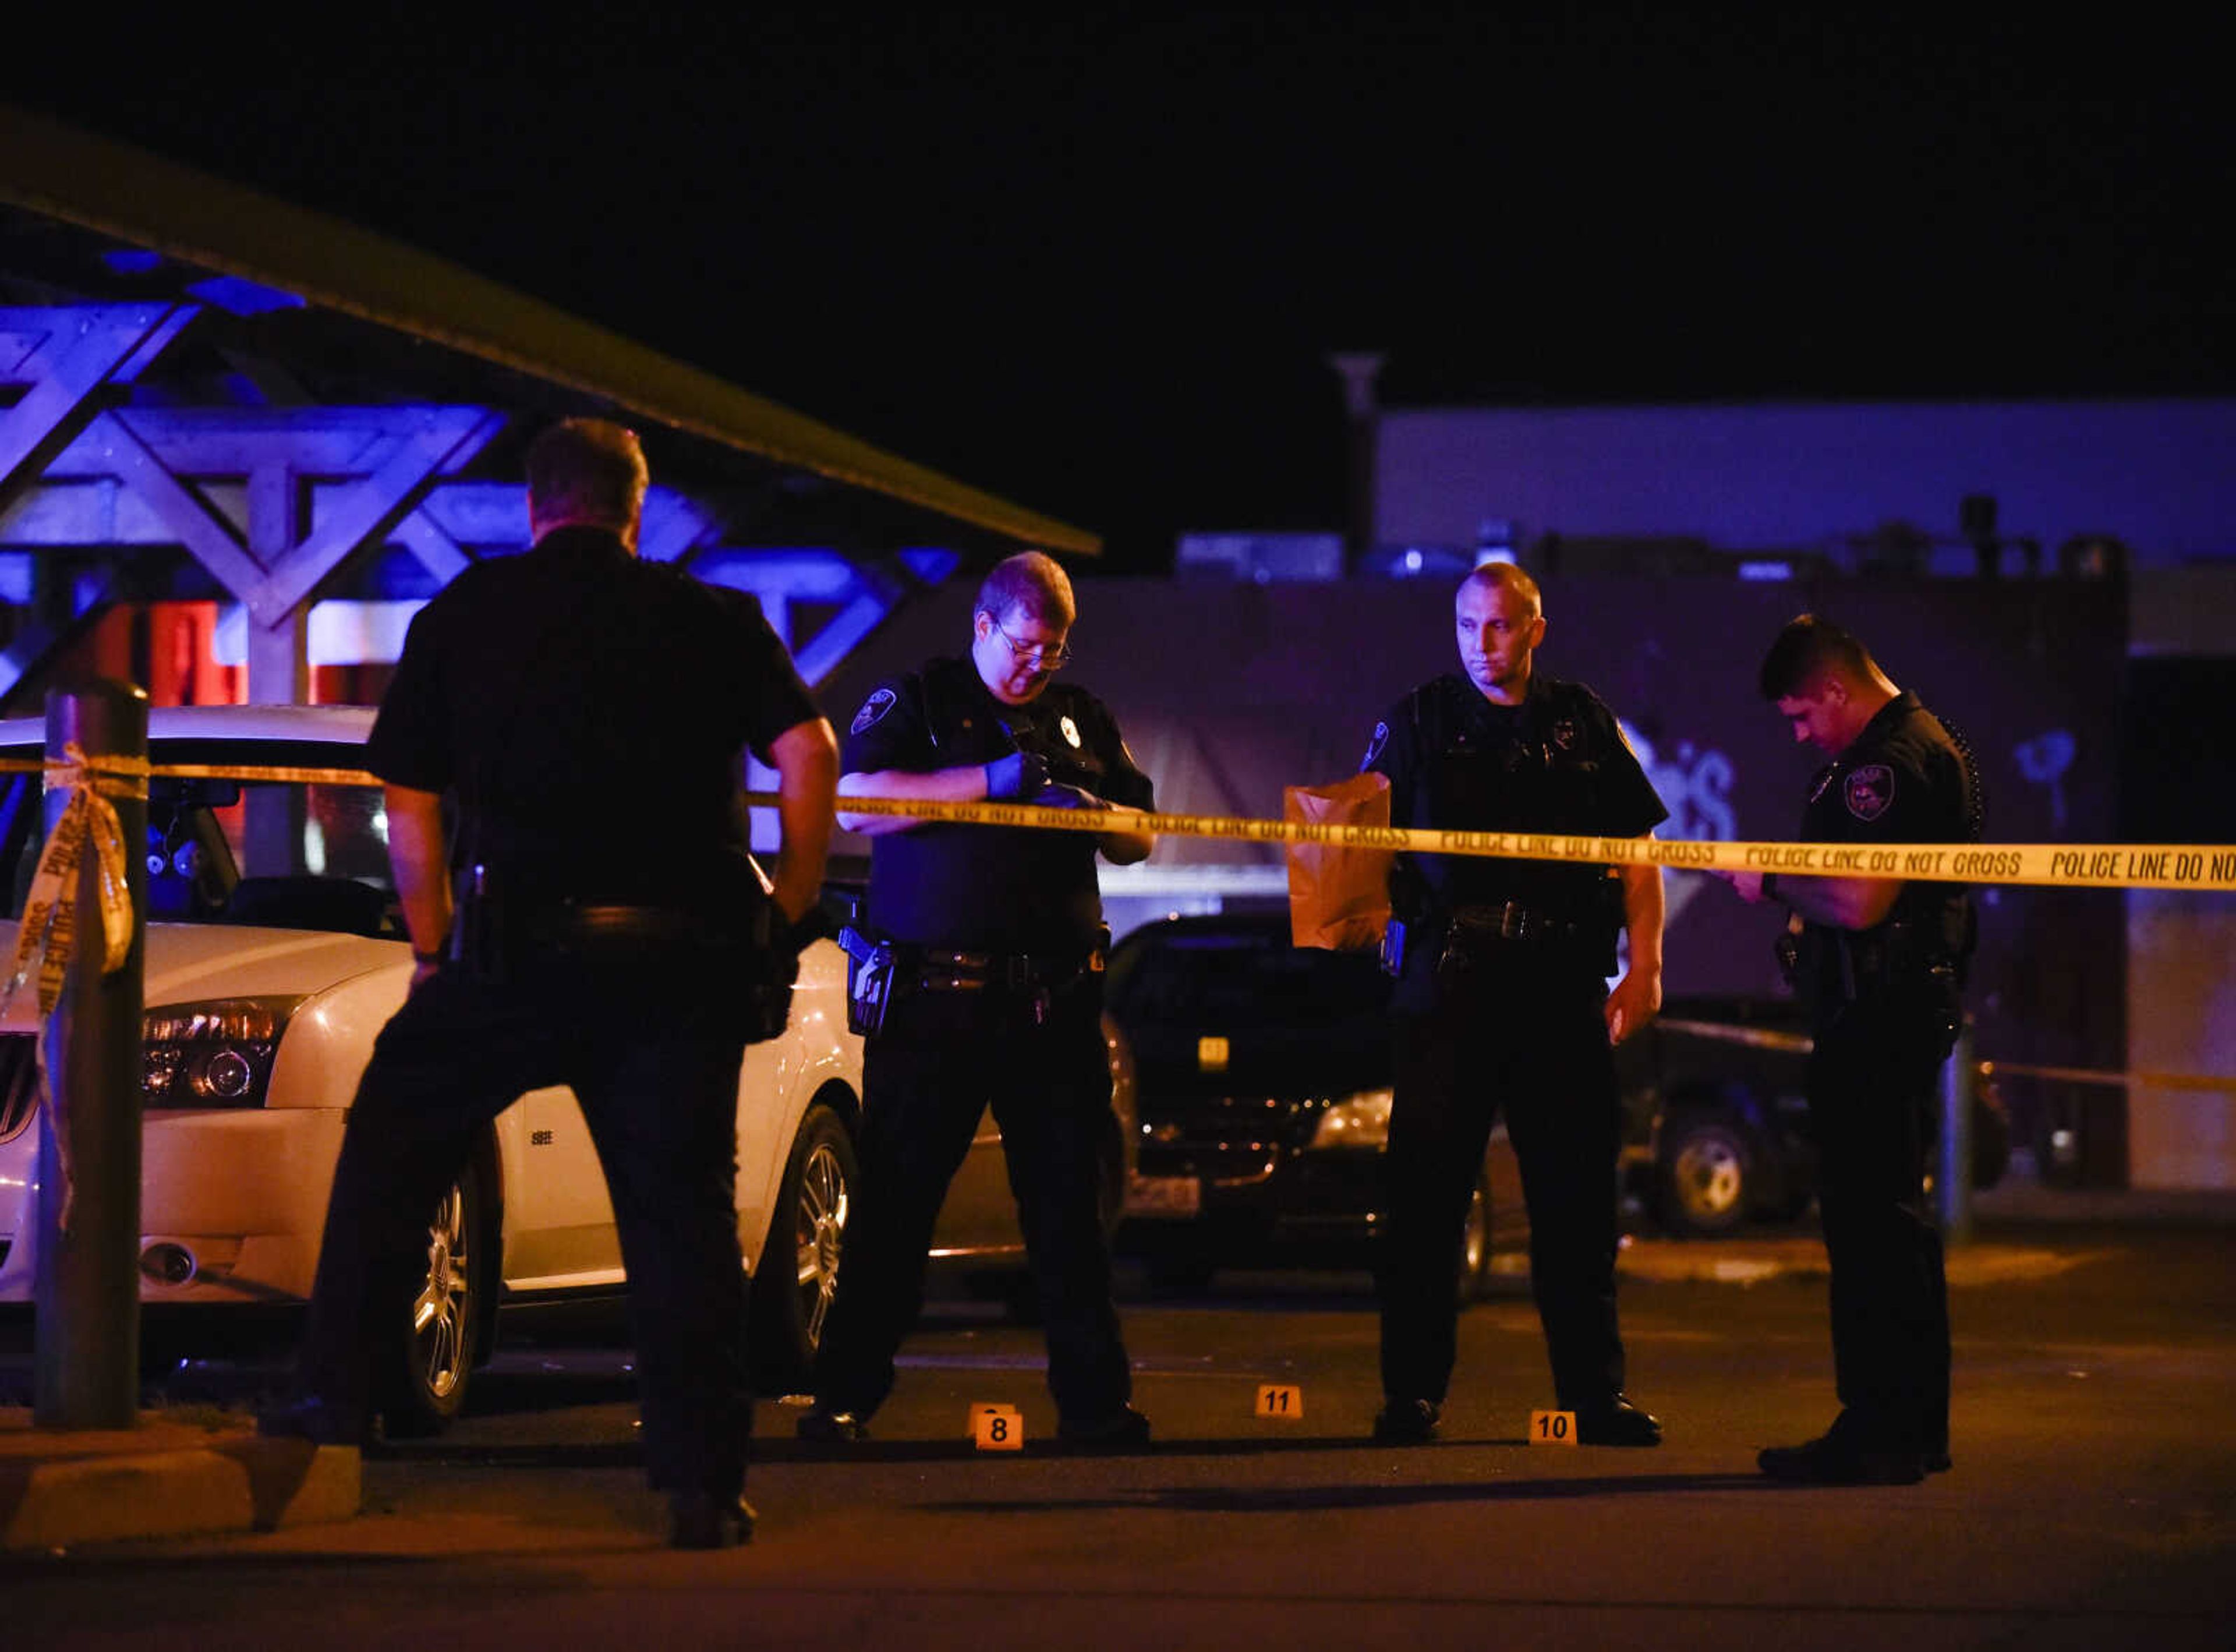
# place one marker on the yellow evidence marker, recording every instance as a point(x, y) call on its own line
point(997, 1428)
point(1281, 1401)
point(1553, 1428)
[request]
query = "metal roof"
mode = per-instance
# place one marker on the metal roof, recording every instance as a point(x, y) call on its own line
point(118, 190)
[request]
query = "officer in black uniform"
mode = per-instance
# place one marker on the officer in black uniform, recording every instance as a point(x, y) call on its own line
point(1501, 1006)
point(1880, 963)
point(588, 712)
point(979, 981)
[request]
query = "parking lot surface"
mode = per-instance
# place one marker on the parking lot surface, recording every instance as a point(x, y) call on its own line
point(2092, 1502)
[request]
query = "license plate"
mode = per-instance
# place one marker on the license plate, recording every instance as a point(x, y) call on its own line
point(1163, 1196)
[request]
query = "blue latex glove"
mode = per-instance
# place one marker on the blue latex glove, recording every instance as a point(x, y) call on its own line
point(1019, 775)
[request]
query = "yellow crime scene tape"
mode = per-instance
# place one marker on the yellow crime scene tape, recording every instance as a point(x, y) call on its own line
point(1801, 1043)
point(2207, 866)
point(88, 822)
point(2182, 866)
point(2066, 865)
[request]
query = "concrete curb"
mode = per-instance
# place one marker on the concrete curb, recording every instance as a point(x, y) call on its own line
point(65, 1487)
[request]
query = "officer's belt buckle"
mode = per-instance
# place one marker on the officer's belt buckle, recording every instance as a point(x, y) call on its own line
point(1507, 921)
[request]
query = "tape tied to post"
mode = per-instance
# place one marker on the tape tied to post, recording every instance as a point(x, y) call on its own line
point(48, 935)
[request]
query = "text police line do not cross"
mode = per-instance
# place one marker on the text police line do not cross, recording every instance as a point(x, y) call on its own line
point(2202, 867)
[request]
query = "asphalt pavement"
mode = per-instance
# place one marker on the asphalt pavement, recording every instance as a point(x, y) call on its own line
point(2092, 1502)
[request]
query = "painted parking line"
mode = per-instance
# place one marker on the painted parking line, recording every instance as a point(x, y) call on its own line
point(1752, 1261)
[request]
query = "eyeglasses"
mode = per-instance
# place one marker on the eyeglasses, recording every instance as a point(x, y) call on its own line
point(1039, 656)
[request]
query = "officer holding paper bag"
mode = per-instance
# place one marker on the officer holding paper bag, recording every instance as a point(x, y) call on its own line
point(1502, 1004)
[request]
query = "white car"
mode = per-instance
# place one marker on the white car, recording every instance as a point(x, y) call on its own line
point(274, 956)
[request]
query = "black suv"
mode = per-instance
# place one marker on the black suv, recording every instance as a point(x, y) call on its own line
point(1262, 1079)
point(1263, 1086)
point(1716, 1117)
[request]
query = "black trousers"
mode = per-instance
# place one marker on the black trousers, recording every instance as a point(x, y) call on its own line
point(653, 1059)
point(926, 1079)
point(1873, 1105)
point(1519, 1039)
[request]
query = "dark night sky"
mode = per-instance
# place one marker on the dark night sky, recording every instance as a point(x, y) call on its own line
point(1092, 261)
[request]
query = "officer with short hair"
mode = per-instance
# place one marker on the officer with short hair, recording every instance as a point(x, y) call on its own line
point(588, 712)
point(1501, 1006)
point(977, 981)
point(1878, 962)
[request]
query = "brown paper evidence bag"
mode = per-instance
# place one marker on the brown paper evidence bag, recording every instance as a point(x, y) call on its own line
point(1338, 898)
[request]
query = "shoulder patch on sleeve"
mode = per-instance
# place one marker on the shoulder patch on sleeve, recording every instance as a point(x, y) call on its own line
point(872, 709)
point(1869, 790)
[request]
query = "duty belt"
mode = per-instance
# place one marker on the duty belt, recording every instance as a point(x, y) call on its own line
point(569, 922)
point(1507, 921)
point(936, 970)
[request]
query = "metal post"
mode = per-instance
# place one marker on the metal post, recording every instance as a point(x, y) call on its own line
point(1953, 1175)
point(87, 1284)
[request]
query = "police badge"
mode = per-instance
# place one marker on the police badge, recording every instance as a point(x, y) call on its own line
point(1564, 734)
point(1868, 790)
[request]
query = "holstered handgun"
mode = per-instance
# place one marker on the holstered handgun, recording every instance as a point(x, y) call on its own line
point(1394, 947)
point(872, 967)
point(475, 946)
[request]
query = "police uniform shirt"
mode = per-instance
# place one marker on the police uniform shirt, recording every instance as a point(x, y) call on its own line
point(977, 887)
point(1555, 763)
point(1903, 780)
point(590, 709)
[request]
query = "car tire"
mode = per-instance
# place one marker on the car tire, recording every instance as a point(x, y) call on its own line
point(792, 1289)
point(1708, 1174)
point(1472, 1273)
point(428, 1363)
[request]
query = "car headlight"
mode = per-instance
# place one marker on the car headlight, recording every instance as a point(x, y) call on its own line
point(1359, 1120)
point(217, 1054)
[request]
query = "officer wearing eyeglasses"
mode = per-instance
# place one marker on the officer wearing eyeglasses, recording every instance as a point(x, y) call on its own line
point(1501, 1006)
point(977, 981)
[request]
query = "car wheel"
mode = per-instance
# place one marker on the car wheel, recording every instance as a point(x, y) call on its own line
point(1474, 1269)
point(430, 1360)
point(1707, 1171)
point(798, 1273)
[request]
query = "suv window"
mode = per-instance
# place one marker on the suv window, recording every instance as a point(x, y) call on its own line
point(217, 852)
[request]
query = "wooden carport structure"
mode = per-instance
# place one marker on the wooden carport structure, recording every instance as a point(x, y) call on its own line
point(205, 392)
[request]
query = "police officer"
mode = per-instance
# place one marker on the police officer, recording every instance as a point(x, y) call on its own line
point(1501, 1006)
point(983, 985)
point(588, 712)
point(1878, 962)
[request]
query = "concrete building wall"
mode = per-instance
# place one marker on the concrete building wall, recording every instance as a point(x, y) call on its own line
point(2157, 474)
point(2182, 989)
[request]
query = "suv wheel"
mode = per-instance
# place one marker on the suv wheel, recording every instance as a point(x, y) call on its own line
point(1708, 1174)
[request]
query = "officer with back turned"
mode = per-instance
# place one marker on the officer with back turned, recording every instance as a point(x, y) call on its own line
point(978, 980)
point(1501, 1006)
point(586, 712)
point(1878, 962)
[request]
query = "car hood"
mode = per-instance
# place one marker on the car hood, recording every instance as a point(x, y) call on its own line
point(1171, 1072)
point(189, 961)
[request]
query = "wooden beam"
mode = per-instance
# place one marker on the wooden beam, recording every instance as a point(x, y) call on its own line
point(121, 191)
